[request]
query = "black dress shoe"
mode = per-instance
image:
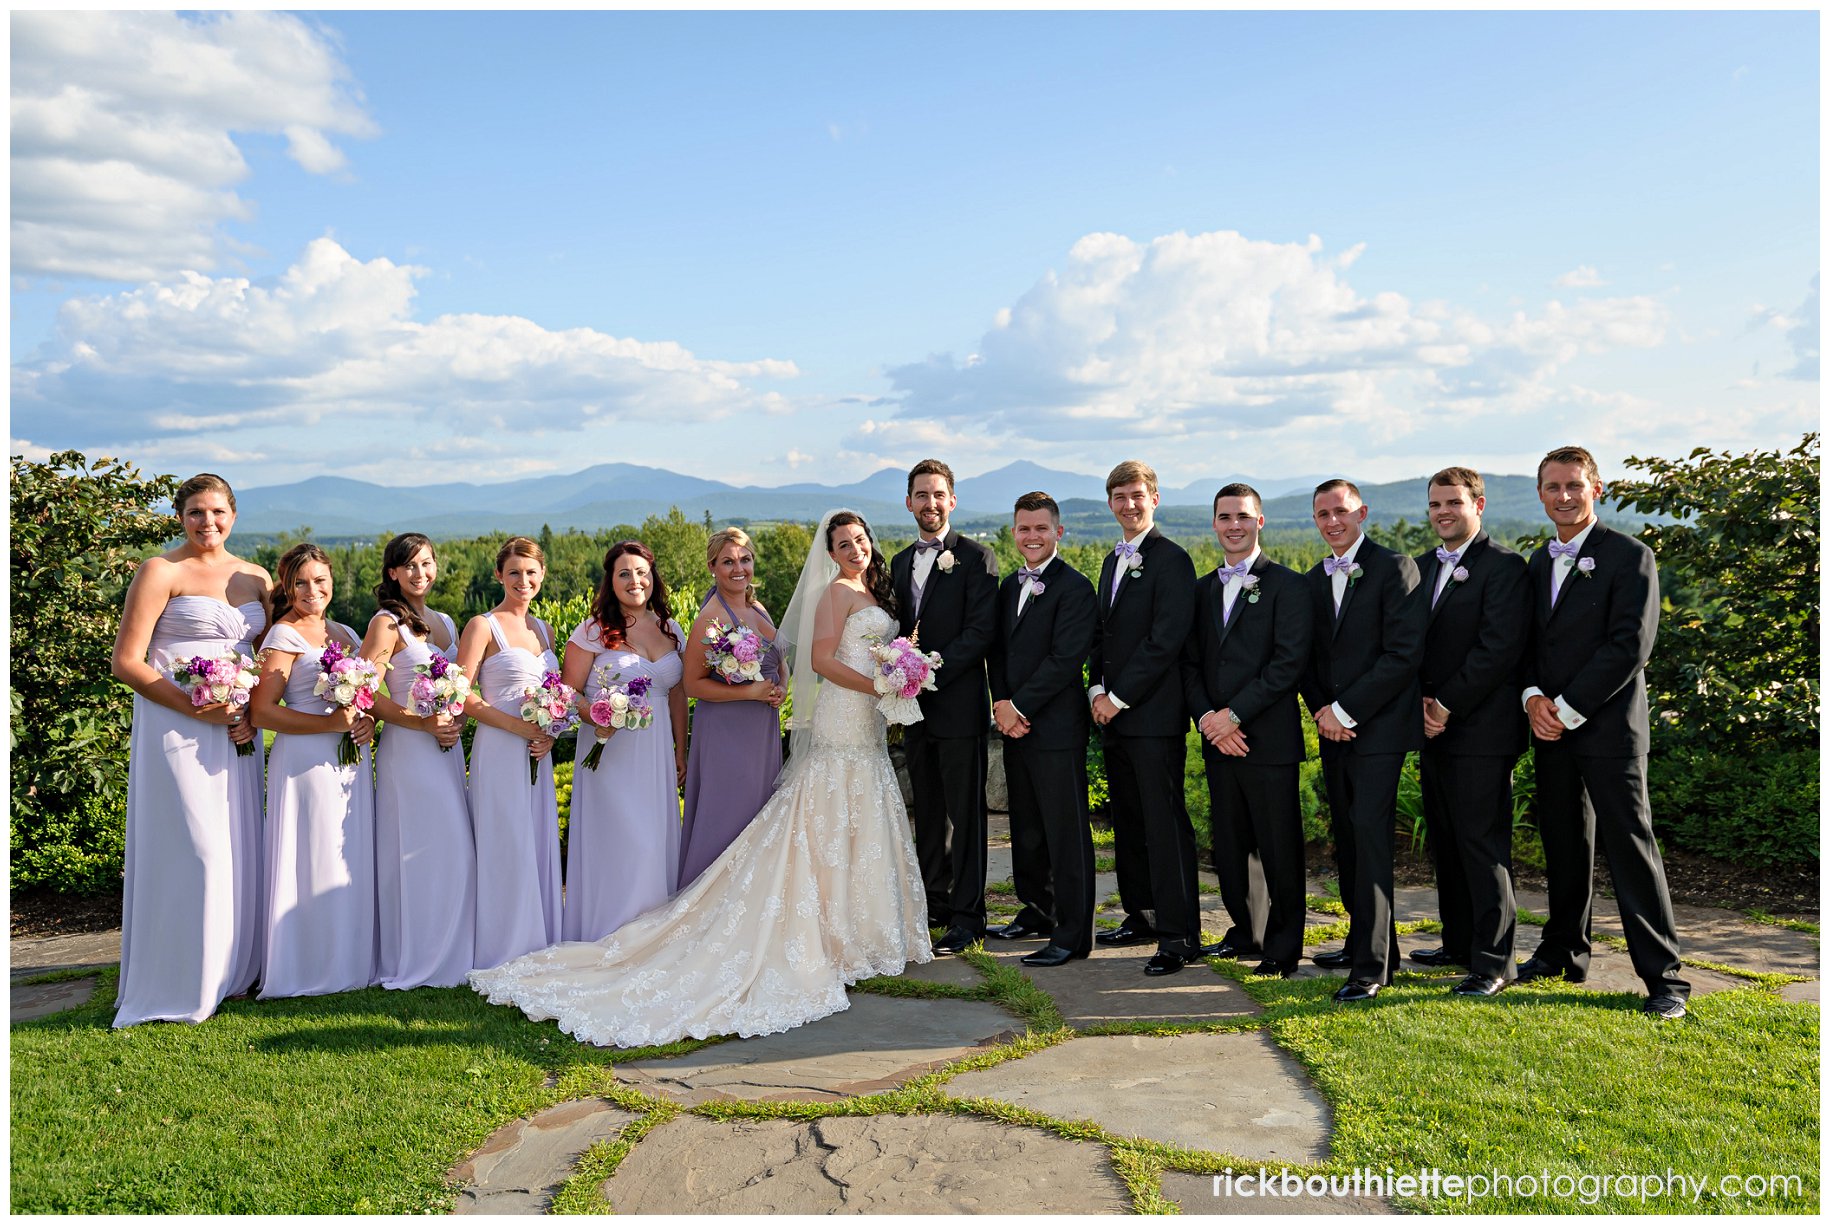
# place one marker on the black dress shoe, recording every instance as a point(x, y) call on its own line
point(1164, 963)
point(1664, 1006)
point(1051, 955)
point(1340, 959)
point(1478, 984)
point(1121, 936)
point(1279, 969)
point(955, 941)
point(1437, 957)
point(1532, 969)
point(1018, 931)
point(1357, 990)
point(1226, 948)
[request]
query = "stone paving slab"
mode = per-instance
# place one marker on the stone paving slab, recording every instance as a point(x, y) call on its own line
point(43, 999)
point(1194, 1193)
point(522, 1165)
point(947, 970)
point(1111, 986)
point(1233, 1094)
point(876, 1044)
point(1811, 992)
point(1710, 934)
point(876, 1164)
point(36, 955)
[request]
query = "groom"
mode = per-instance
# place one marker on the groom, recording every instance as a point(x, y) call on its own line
point(947, 587)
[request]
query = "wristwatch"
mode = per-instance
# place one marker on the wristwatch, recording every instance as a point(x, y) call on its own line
point(1232, 716)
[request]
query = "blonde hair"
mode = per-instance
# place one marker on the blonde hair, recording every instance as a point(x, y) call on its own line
point(719, 541)
point(1129, 471)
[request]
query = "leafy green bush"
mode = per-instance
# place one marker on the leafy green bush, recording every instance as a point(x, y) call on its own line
point(79, 528)
point(1758, 809)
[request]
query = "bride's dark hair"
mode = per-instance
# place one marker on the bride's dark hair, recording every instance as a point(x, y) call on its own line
point(877, 573)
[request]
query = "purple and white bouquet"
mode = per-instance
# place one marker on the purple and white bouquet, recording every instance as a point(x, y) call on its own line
point(439, 687)
point(346, 679)
point(229, 677)
point(736, 653)
point(621, 704)
point(548, 706)
point(903, 671)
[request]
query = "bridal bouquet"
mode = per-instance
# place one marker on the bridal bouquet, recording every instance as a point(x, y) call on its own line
point(228, 677)
point(548, 706)
point(903, 670)
point(736, 653)
point(621, 704)
point(346, 679)
point(439, 687)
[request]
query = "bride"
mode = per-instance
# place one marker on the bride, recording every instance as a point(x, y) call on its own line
point(820, 890)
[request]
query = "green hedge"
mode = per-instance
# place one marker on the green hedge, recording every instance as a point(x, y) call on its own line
point(1758, 809)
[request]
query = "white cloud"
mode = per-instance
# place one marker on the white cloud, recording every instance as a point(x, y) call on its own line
point(1213, 340)
point(251, 368)
point(1583, 277)
point(124, 161)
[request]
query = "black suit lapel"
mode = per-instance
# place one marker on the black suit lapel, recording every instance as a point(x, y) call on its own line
point(1106, 570)
point(1353, 581)
point(1240, 601)
point(1589, 544)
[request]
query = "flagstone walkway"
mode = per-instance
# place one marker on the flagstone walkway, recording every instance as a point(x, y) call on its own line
point(1017, 1131)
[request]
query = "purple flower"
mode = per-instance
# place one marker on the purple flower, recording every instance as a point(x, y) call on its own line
point(1459, 574)
point(1585, 565)
point(637, 687)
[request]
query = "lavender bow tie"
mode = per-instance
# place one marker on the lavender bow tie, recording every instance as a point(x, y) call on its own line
point(1229, 573)
point(1125, 548)
point(1026, 575)
point(1336, 565)
point(1559, 549)
point(923, 545)
point(1448, 557)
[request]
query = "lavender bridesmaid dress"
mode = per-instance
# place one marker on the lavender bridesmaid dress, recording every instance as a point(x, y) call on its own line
point(191, 910)
point(731, 764)
point(425, 857)
point(516, 825)
point(623, 842)
point(320, 850)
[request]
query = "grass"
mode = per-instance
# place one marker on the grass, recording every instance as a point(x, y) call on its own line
point(361, 1102)
point(1796, 925)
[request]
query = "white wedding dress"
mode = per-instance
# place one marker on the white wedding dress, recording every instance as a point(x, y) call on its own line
point(820, 890)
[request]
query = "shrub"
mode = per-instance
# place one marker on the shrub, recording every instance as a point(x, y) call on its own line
point(1756, 809)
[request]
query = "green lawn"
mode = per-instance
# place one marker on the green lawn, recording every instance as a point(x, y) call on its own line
point(360, 1102)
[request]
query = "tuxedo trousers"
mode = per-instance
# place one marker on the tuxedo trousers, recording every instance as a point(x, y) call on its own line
point(1577, 796)
point(1051, 844)
point(1257, 827)
point(1362, 810)
point(1467, 806)
point(948, 773)
point(1153, 839)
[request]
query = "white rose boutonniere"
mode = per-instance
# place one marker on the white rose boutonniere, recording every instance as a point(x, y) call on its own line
point(1585, 566)
point(1137, 565)
point(1249, 584)
point(945, 561)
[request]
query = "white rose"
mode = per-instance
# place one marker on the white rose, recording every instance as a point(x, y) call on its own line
point(619, 720)
point(619, 702)
point(346, 694)
point(729, 666)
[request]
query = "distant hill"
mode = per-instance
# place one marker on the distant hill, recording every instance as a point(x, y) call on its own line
point(608, 494)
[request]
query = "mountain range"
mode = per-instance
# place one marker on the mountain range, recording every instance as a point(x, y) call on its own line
point(605, 495)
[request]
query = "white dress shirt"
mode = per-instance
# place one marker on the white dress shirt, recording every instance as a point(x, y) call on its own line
point(1026, 590)
point(1560, 568)
point(1339, 579)
point(1233, 586)
point(1118, 576)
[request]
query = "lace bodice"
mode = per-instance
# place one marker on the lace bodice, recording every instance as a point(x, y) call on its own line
point(844, 717)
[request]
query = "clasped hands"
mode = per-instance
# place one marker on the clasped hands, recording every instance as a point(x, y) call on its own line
point(1331, 728)
point(1218, 729)
point(1435, 718)
point(1008, 721)
point(1546, 722)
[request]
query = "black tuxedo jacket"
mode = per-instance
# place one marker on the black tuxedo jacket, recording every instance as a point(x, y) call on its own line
point(1036, 658)
point(1592, 648)
point(1137, 648)
point(1475, 647)
point(958, 619)
point(1252, 663)
point(1367, 657)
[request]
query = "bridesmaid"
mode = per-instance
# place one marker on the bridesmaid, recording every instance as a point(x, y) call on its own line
point(737, 736)
point(425, 858)
point(623, 843)
point(504, 652)
point(320, 936)
point(190, 909)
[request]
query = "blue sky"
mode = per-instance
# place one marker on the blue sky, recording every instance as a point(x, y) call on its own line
point(782, 247)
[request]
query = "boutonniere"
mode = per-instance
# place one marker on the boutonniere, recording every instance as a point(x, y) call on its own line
point(1249, 585)
point(1353, 573)
point(1457, 577)
point(1585, 566)
point(945, 561)
point(1137, 565)
point(1036, 587)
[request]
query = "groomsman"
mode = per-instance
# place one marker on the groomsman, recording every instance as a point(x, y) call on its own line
point(1046, 615)
point(1361, 689)
point(1146, 604)
point(947, 585)
point(1594, 600)
point(1245, 655)
point(1474, 730)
